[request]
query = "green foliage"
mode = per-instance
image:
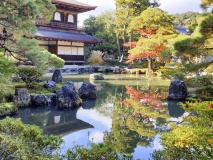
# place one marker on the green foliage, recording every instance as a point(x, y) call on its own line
point(198, 45)
point(209, 69)
point(30, 74)
point(22, 141)
point(193, 139)
point(186, 19)
point(165, 56)
point(6, 67)
point(17, 18)
point(206, 3)
point(204, 88)
point(103, 26)
point(156, 30)
point(7, 109)
point(6, 88)
point(96, 152)
point(6, 70)
point(152, 18)
point(206, 25)
point(44, 59)
point(176, 72)
point(126, 11)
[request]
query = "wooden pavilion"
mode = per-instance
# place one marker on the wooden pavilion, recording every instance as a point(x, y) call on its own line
point(62, 36)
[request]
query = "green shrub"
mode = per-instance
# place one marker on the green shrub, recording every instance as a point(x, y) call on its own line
point(23, 141)
point(6, 89)
point(209, 69)
point(30, 74)
point(175, 73)
point(44, 59)
point(96, 152)
point(204, 87)
point(6, 66)
point(7, 109)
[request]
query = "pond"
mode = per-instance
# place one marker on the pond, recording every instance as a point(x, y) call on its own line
point(118, 115)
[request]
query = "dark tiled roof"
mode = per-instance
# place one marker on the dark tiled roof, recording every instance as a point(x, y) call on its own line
point(66, 36)
point(73, 2)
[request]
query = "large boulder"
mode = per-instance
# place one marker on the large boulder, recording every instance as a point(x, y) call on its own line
point(50, 84)
point(177, 90)
point(87, 90)
point(51, 97)
point(72, 85)
point(67, 97)
point(57, 76)
point(39, 100)
point(96, 76)
point(22, 97)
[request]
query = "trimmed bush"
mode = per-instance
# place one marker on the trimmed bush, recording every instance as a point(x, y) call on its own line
point(30, 74)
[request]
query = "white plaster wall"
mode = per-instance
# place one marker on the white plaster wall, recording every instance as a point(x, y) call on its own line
point(77, 44)
point(62, 50)
point(74, 50)
point(52, 42)
point(80, 51)
point(64, 43)
point(42, 42)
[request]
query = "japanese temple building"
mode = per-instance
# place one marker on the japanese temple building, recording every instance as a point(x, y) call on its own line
point(62, 36)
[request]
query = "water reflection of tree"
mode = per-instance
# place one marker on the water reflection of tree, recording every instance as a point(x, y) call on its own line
point(123, 139)
point(106, 98)
point(134, 119)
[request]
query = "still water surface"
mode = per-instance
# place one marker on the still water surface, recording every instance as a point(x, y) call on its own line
point(106, 118)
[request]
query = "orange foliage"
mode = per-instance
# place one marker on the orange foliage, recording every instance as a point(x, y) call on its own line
point(146, 33)
point(127, 103)
point(146, 99)
point(130, 44)
point(151, 54)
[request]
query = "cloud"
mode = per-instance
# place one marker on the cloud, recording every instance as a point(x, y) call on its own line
point(96, 137)
point(170, 6)
point(93, 115)
point(102, 6)
point(180, 6)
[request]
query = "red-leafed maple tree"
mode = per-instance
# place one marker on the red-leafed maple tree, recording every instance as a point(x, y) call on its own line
point(151, 99)
point(154, 27)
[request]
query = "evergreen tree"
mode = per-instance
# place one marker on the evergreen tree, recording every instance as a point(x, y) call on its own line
point(103, 26)
point(196, 51)
point(17, 23)
point(156, 30)
point(125, 11)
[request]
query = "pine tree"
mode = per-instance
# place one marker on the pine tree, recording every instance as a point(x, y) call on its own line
point(155, 30)
point(17, 19)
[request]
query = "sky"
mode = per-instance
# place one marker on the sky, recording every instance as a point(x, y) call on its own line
point(170, 6)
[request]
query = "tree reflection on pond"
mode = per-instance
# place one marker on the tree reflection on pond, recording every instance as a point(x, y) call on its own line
point(129, 117)
point(136, 118)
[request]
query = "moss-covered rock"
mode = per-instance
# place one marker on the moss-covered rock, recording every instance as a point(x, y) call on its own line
point(7, 109)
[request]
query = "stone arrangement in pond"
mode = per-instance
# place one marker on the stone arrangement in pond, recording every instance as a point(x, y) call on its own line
point(65, 97)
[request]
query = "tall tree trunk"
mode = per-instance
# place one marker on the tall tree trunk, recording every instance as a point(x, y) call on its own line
point(124, 41)
point(149, 64)
point(118, 45)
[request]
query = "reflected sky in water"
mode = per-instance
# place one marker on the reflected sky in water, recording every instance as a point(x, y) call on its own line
point(89, 122)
